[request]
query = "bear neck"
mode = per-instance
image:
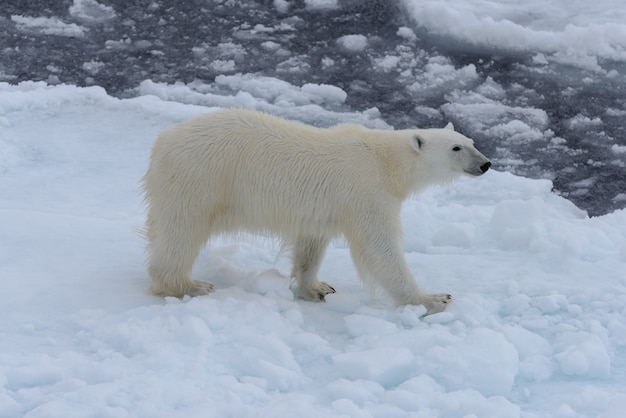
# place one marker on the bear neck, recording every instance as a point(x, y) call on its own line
point(405, 169)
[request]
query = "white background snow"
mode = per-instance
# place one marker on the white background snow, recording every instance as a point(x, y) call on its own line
point(537, 327)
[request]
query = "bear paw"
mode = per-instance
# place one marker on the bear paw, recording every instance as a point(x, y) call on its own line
point(199, 288)
point(189, 288)
point(316, 293)
point(435, 303)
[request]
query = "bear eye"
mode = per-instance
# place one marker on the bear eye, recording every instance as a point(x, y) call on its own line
point(456, 148)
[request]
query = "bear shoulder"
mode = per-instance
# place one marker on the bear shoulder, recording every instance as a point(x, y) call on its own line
point(371, 137)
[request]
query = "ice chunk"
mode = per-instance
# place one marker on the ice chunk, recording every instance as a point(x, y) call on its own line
point(587, 358)
point(358, 391)
point(387, 63)
point(326, 92)
point(353, 43)
point(440, 75)
point(407, 33)
point(387, 366)
point(321, 4)
point(366, 325)
point(526, 342)
point(469, 363)
point(48, 26)
point(282, 6)
point(572, 33)
point(583, 122)
point(550, 303)
point(91, 11)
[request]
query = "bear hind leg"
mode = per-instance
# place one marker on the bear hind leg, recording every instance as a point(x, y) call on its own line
point(307, 257)
point(173, 246)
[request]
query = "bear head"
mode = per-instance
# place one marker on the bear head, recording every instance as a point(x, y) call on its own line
point(448, 154)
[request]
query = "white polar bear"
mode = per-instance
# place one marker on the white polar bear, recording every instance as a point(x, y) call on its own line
point(240, 170)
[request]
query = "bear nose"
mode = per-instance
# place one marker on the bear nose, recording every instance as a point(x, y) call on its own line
point(485, 166)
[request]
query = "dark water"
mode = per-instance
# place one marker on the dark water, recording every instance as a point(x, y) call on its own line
point(181, 41)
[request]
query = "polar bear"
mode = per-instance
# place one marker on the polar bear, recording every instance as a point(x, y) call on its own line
point(240, 170)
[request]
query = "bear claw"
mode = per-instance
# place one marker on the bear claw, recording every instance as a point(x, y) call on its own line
point(317, 292)
point(199, 289)
point(190, 288)
point(436, 303)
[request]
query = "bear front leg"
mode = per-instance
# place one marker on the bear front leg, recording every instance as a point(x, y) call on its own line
point(378, 255)
point(307, 257)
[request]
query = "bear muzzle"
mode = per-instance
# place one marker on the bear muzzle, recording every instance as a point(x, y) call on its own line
point(479, 168)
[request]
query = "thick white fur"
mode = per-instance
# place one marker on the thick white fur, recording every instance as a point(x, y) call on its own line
point(239, 170)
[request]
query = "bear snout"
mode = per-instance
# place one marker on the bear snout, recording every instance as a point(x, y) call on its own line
point(485, 166)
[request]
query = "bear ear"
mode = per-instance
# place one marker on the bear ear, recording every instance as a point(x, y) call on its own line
point(449, 126)
point(417, 142)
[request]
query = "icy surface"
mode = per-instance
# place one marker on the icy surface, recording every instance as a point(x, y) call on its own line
point(91, 11)
point(537, 327)
point(46, 26)
point(570, 29)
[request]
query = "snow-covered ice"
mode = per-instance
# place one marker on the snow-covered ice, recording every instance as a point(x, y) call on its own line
point(47, 26)
point(353, 43)
point(537, 327)
point(566, 30)
point(91, 11)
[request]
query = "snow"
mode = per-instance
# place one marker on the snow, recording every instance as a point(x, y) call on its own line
point(536, 328)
